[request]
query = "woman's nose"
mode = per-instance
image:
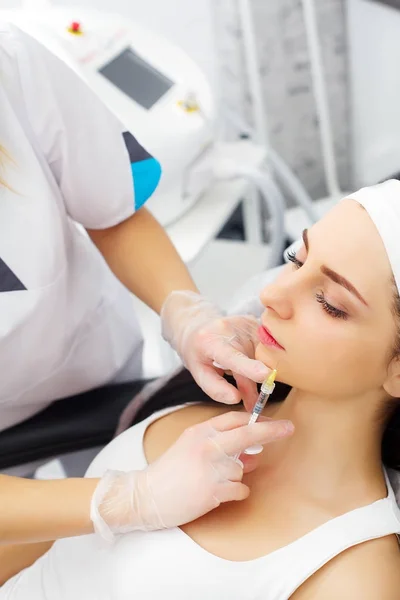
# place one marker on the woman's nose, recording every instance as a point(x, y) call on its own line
point(276, 297)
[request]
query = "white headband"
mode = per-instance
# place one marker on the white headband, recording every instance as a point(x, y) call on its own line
point(382, 202)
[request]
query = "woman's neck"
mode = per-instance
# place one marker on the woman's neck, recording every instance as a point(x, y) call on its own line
point(336, 445)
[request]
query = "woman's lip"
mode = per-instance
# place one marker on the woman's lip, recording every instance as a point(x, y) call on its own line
point(267, 338)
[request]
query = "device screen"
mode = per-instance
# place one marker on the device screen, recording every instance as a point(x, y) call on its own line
point(136, 78)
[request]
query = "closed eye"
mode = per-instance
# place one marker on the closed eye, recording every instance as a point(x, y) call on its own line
point(292, 257)
point(331, 310)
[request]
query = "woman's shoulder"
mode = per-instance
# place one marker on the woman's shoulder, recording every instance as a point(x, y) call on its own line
point(163, 432)
point(368, 571)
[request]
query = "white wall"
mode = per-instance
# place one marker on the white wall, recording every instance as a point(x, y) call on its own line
point(374, 50)
point(286, 81)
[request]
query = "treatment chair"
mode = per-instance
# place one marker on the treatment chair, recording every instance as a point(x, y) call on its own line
point(89, 420)
point(80, 423)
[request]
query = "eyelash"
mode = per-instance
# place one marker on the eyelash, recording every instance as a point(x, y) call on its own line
point(328, 308)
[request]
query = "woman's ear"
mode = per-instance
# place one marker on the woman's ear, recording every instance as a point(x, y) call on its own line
point(392, 383)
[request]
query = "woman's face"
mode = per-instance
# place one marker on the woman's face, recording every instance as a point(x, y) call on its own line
point(330, 309)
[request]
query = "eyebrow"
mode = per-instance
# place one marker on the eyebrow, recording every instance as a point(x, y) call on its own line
point(335, 276)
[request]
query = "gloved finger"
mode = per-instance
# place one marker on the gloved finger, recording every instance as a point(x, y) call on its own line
point(215, 386)
point(237, 440)
point(254, 450)
point(250, 462)
point(248, 391)
point(231, 420)
point(237, 362)
point(220, 369)
point(230, 470)
point(233, 490)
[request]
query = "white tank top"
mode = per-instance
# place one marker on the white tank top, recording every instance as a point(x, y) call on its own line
point(169, 564)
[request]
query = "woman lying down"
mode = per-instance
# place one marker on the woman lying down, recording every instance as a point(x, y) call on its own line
point(321, 519)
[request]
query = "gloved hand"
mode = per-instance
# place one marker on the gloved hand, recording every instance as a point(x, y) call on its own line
point(206, 340)
point(194, 476)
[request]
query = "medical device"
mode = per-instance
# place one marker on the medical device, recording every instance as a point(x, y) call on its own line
point(151, 85)
point(160, 94)
point(267, 388)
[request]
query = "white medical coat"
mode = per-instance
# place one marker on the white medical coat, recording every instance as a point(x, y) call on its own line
point(66, 323)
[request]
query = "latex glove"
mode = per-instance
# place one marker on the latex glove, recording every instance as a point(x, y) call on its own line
point(193, 477)
point(204, 338)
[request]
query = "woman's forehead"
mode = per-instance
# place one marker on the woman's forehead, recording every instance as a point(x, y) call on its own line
point(347, 227)
point(347, 238)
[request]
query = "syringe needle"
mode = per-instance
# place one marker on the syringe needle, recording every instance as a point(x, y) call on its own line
point(267, 388)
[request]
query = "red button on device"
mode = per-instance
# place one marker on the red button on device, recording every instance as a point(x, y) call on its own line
point(75, 27)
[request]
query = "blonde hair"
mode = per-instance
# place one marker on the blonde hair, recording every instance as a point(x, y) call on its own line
point(4, 157)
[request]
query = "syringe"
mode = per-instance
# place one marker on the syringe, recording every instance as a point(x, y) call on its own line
point(267, 388)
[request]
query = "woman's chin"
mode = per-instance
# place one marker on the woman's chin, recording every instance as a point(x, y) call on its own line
point(270, 359)
point(267, 355)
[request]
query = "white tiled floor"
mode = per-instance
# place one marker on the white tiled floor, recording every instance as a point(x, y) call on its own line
point(51, 470)
point(71, 465)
